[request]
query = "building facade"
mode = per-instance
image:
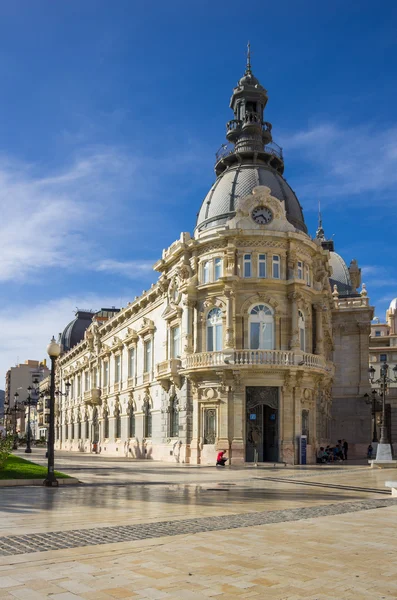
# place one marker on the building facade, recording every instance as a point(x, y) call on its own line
point(383, 348)
point(18, 380)
point(233, 347)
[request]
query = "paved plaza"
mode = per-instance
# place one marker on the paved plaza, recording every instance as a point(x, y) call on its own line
point(142, 530)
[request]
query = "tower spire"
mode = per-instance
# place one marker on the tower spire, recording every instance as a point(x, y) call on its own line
point(248, 66)
point(320, 235)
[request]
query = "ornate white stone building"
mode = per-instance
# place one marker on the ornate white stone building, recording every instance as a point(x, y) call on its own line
point(233, 347)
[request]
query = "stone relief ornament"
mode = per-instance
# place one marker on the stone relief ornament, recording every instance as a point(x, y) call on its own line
point(273, 210)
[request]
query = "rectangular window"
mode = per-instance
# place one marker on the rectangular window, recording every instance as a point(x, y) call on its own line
point(307, 275)
point(218, 268)
point(276, 267)
point(383, 357)
point(262, 265)
point(131, 362)
point(117, 368)
point(247, 265)
point(300, 269)
point(86, 381)
point(95, 377)
point(78, 386)
point(147, 366)
point(206, 271)
point(105, 373)
point(71, 388)
point(175, 342)
point(377, 333)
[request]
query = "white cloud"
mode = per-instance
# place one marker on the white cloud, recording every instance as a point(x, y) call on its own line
point(46, 221)
point(26, 330)
point(346, 160)
point(133, 269)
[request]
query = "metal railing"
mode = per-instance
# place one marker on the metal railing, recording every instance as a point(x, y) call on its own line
point(228, 149)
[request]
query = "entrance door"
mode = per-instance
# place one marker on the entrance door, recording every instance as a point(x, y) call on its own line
point(262, 424)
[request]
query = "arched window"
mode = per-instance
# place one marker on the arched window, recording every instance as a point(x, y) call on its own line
point(131, 422)
point(261, 328)
point(87, 428)
point(117, 424)
point(148, 421)
point(106, 425)
point(174, 417)
point(302, 336)
point(214, 330)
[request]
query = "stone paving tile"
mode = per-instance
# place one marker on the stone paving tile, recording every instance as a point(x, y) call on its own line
point(10, 545)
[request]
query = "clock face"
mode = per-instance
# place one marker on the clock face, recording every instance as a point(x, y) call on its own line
point(262, 215)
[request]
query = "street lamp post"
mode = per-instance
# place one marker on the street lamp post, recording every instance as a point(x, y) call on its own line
point(53, 350)
point(15, 409)
point(384, 453)
point(373, 411)
point(30, 402)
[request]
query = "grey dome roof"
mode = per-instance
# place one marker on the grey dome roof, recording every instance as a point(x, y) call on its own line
point(74, 331)
point(238, 181)
point(340, 275)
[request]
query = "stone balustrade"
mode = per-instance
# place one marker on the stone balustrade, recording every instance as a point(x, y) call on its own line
point(242, 358)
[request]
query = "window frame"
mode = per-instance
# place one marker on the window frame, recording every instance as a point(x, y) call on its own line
point(117, 368)
point(300, 269)
point(147, 356)
point(206, 271)
point(269, 318)
point(247, 265)
point(175, 342)
point(262, 262)
point(217, 267)
point(276, 262)
point(217, 327)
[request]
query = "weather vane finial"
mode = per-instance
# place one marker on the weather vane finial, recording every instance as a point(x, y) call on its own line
point(248, 68)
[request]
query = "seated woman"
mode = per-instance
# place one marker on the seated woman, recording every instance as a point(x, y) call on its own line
point(322, 456)
point(220, 459)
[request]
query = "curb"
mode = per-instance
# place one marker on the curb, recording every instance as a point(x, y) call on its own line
point(38, 482)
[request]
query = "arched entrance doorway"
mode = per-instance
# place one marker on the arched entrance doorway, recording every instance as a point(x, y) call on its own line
point(262, 424)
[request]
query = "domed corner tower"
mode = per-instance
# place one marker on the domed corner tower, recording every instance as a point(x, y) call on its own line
point(262, 345)
point(351, 326)
point(250, 158)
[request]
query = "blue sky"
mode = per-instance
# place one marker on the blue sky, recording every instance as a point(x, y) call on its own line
point(111, 113)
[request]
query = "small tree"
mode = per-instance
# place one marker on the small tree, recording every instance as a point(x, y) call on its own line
point(5, 448)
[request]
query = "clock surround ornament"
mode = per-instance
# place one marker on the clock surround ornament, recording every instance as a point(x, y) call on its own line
point(262, 215)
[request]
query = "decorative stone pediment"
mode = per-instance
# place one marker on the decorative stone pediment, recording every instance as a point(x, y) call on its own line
point(147, 327)
point(172, 311)
point(261, 196)
point(117, 344)
point(131, 337)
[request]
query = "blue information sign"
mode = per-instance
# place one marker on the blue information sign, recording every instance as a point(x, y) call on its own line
point(303, 447)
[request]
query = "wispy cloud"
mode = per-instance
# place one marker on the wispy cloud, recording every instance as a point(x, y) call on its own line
point(346, 160)
point(26, 330)
point(45, 220)
point(133, 269)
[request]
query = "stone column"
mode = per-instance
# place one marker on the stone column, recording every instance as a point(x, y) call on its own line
point(319, 329)
point(287, 427)
point(229, 338)
point(186, 330)
point(195, 441)
point(294, 338)
point(237, 400)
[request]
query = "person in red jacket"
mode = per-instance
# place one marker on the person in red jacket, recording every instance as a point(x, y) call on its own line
point(220, 459)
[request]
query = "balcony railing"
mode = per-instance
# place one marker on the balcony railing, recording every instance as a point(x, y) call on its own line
point(228, 149)
point(93, 396)
point(242, 358)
